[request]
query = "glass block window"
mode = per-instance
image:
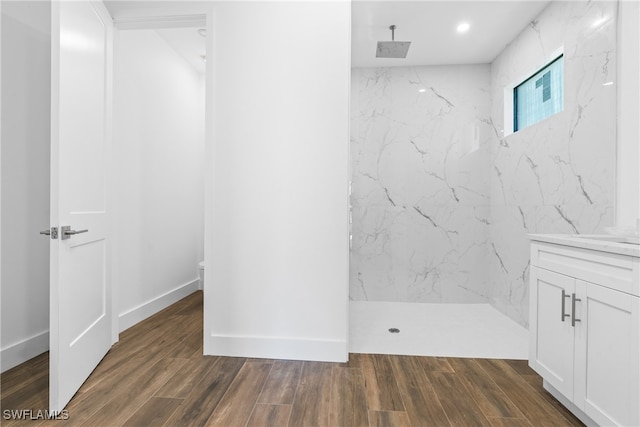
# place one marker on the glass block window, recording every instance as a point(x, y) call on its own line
point(540, 96)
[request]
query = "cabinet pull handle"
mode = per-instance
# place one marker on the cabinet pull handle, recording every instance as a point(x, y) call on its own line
point(573, 309)
point(562, 314)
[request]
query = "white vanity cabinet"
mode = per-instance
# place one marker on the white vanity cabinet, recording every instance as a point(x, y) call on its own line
point(585, 328)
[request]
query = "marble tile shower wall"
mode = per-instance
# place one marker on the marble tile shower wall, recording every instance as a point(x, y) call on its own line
point(420, 184)
point(442, 202)
point(557, 176)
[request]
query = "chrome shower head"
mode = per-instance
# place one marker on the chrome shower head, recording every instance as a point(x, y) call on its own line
point(392, 49)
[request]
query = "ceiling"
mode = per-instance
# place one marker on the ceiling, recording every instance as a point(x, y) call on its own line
point(431, 28)
point(188, 43)
point(127, 9)
point(177, 22)
point(429, 25)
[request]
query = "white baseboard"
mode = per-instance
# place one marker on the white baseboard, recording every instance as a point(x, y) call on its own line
point(20, 352)
point(277, 348)
point(24, 350)
point(149, 308)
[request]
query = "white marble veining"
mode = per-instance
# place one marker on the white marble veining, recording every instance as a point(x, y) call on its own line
point(558, 175)
point(420, 194)
point(442, 202)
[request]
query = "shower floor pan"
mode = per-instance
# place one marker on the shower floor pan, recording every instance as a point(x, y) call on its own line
point(428, 329)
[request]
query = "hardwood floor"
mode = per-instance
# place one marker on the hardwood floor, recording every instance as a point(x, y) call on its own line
point(156, 375)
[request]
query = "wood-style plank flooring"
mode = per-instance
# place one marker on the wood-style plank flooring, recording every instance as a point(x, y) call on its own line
point(156, 375)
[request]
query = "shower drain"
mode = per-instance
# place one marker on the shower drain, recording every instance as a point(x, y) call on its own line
point(394, 330)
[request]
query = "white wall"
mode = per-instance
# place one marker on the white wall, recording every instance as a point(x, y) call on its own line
point(277, 189)
point(158, 148)
point(556, 176)
point(628, 154)
point(420, 183)
point(26, 85)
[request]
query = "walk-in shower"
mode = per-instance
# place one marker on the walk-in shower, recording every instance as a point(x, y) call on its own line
point(442, 200)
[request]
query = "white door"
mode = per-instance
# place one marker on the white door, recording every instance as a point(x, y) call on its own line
point(551, 332)
point(608, 355)
point(80, 307)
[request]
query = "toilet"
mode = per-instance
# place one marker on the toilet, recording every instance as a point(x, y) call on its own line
point(201, 271)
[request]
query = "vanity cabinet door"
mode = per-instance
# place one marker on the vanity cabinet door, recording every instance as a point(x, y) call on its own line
point(607, 361)
point(551, 334)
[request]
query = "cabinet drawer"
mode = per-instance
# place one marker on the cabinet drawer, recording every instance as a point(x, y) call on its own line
point(614, 271)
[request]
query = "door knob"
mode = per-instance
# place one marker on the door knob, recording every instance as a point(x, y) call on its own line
point(53, 232)
point(67, 232)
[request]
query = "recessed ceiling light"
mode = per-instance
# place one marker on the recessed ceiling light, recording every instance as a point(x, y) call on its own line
point(422, 90)
point(202, 32)
point(463, 27)
point(607, 84)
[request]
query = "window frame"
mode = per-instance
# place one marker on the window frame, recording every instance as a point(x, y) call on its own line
point(509, 90)
point(516, 128)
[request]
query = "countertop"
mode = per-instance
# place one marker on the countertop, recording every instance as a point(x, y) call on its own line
point(584, 241)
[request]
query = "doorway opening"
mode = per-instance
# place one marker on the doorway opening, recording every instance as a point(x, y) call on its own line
point(158, 168)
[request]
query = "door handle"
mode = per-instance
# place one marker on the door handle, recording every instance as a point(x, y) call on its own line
point(53, 232)
point(573, 309)
point(67, 232)
point(564, 295)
